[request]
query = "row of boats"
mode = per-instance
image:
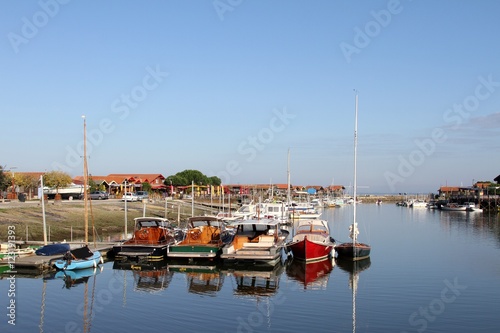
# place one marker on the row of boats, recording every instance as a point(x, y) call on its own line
point(446, 206)
point(243, 241)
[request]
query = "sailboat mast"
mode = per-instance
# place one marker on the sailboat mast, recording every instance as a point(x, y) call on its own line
point(355, 166)
point(85, 181)
point(288, 180)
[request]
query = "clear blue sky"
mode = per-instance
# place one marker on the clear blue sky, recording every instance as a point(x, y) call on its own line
point(227, 87)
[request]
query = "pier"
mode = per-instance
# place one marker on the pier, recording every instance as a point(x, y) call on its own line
point(36, 265)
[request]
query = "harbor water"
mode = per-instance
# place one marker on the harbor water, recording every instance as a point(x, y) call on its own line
point(429, 271)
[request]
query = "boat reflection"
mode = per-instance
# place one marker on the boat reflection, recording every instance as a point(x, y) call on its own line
point(203, 277)
point(255, 280)
point(73, 278)
point(149, 276)
point(312, 275)
point(354, 268)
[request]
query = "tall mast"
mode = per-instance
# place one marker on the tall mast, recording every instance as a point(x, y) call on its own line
point(85, 181)
point(288, 180)
point(355, 166)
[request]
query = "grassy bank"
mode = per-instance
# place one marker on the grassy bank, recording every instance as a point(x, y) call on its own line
point(65, 220)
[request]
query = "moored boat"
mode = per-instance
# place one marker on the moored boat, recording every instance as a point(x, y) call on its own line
point(79, 258)
point(204, 238)
point(258, 241)
point(9, 251)
point(305, 214)
point(312, 240)
point(454, 207)
point(151, 238)
point(53, 249)
point(82, 257)
point(354, 250)
point(246, 211)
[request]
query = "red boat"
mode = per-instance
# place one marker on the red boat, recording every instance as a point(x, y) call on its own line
point(312, 241)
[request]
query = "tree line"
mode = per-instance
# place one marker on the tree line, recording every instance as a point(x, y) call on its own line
point(59, 179)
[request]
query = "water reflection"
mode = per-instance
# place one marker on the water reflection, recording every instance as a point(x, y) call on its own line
point(150, 277)
point(481, 223)
point(203, 278)
point(255, 280)
point(73, 278)
point(354, 268)
point(85, 278)
point(313, 275)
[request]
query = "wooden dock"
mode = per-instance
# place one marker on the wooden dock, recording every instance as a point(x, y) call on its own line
point(36, 265)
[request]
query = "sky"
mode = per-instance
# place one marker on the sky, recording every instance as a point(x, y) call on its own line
point(250, 90)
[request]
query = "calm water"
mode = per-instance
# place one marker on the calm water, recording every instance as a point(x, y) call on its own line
point(430, 271)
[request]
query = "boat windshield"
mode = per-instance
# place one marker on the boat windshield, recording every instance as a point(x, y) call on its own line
point(149, 224)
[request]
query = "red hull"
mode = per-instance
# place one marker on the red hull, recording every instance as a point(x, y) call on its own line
point(310, 251)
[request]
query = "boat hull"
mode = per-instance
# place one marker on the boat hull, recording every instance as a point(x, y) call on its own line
point(144, 251)
point(310, 251)
point(92, 261)
point(193, 251)
point(352, 251)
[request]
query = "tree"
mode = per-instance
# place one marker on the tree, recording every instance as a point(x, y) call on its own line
point(28, 182)
point(214, 180)
point(186, 177)
point(4, 180)
point(146, 187)
point(57, 179)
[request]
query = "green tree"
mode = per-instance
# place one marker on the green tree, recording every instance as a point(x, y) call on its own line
point(176, 180)
point(57, 179)
point(214, 180)
point(186, 177)
point(93, 185)
point(4, 180)
point(146, 187)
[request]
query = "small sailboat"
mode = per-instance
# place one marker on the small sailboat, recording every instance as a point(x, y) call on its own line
point(83, 257)
point(354, 250)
